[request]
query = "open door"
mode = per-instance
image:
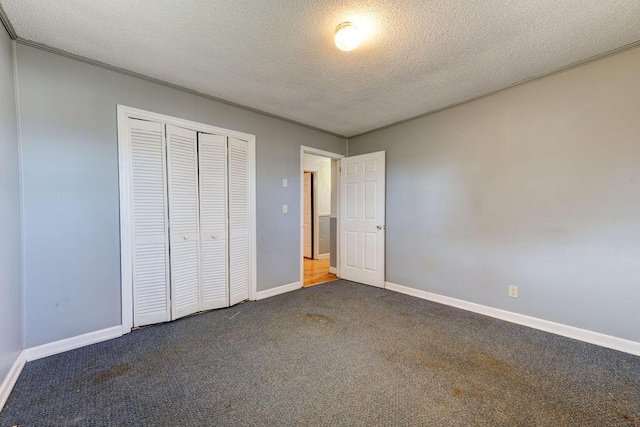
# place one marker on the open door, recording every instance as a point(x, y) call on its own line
point(307, 227)
point(362, 219)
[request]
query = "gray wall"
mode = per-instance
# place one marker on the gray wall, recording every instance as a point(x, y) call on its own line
point(537, 186)
point(10, 223)
point(333, 242)
point(68, 111)
point(324, 235)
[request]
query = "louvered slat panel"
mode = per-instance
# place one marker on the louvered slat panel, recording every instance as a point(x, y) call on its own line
point(213, 220)
point(184, 221)
point(184, 277)
point(238, 220)
point(148, 195)
point(214, 274)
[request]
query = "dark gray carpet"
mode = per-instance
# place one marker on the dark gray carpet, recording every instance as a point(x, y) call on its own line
point(334, 354)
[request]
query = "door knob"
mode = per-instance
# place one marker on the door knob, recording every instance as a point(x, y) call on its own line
point(186, 237)
point(214, 236)
point(381, 227)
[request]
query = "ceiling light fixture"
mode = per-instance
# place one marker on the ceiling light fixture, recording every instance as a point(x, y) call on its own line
point(347, 36)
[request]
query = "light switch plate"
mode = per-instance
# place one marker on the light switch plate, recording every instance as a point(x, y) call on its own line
point(285, 208)
point(285, 182)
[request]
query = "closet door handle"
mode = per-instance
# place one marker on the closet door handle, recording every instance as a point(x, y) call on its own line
point(214, 236)
point(186, 237)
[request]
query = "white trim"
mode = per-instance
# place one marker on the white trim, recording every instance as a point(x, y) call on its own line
point(597, 338)
point(338, 209)
point(126, 240)
point(333, 270)
point(316, 216)
point(57, 347)
point(323, 256)
point(278, 290)
point(253, 206)
point(321, 153)
point(136, 113)
point(310, 150)
point(315, 220)
point(11, 378)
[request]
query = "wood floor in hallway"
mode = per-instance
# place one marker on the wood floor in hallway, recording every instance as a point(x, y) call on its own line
point(316, 271)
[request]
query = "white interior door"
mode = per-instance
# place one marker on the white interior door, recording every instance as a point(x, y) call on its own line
point(212, 150)
point(149, 220)
point(238, 220)
point(307, 228)
point(184, 235)
point(362, 213)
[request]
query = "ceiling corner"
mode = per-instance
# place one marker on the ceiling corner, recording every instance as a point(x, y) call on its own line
point(7, 24)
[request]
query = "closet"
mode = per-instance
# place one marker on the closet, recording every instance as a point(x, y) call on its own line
point(189, 198)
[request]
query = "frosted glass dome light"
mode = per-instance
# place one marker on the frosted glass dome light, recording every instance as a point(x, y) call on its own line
point(347, 36)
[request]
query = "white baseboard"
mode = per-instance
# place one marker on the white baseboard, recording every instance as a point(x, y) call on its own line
point(67, 344)
point(333, 270)
point(278, 290)
point(323, 256)
point(579, 334)
point(11, 378)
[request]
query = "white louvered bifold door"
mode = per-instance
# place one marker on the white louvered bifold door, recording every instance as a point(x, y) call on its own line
point(238, 220)
point(149, 218)
point(184, 233)
point(212, 151)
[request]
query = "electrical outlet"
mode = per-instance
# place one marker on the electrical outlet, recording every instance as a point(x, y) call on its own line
point(285, 182)
point(285, 209)
point(513, 291)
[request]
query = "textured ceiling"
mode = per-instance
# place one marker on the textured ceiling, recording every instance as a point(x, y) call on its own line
point(279, 57)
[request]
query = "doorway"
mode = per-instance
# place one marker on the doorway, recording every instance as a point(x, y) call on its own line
point(319, 216)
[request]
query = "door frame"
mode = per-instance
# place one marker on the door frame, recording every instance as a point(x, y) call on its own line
point(125, 113)
point(317, 152)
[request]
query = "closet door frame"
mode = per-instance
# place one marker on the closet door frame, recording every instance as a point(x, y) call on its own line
point(125, 113)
